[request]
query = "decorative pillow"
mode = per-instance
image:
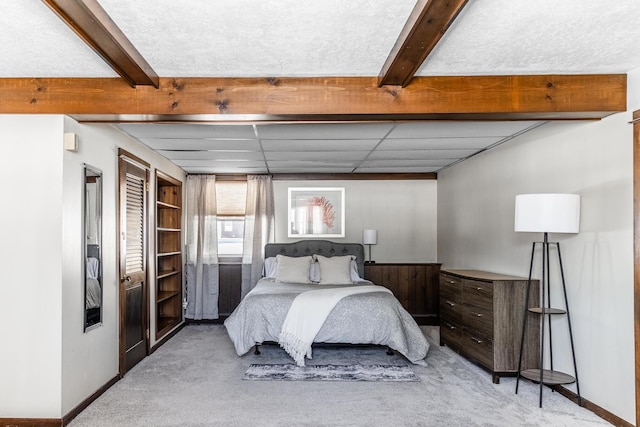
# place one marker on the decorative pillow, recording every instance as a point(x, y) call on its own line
point(335, 270)
point(270, 267)
point(314, 272)
point(355, 276)
point(293, 269)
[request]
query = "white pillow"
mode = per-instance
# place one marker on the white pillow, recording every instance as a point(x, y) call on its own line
point(314, 273)
point(293, 269)
point(270, 267)
point(335, 270)
point(355, 276)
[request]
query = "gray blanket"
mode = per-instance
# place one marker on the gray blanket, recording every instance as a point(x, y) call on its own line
point(371, 318)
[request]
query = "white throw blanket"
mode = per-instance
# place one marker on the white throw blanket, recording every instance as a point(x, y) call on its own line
point(307, 314)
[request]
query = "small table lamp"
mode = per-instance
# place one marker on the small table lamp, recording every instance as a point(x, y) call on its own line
point(370, 237)
point(547, 213)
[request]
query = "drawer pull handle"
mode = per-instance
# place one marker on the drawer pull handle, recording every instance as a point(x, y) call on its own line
point(475, 314)
point(478, 289)
point(476, 340)
point(451, 281)
point(450, 326)
point(450, 304)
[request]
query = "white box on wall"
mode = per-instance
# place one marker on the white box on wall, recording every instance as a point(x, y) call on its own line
point(71, 142)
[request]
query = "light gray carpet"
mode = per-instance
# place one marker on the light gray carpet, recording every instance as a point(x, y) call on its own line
point(357, 372)
point(195, 379)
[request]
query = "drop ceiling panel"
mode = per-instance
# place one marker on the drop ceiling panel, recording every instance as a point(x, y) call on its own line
point(202, 144)
point(405, 163)
point(212, 155)
point(226, 170)
point(220, 163)
point(400, 169)
point(310, 169)
point(319, 144)
point(316, 155)
point(302, 165)
point(437, 143)
point(188, 131)
point(459, 129)
point(421, 154)
point(325, 131)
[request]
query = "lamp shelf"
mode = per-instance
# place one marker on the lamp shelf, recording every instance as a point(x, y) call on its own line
point(548, 213)
point(546, 310)
point(549, 377)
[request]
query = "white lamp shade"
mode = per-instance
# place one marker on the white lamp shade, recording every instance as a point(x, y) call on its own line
point(547, 213)
point(370, 237)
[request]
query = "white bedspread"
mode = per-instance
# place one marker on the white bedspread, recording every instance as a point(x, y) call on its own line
point(308, 313)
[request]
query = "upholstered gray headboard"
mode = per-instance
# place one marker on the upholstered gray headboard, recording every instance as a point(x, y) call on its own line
point(320, 247)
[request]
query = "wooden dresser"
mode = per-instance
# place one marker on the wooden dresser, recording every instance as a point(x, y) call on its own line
point(481, 317)
point(415, 286)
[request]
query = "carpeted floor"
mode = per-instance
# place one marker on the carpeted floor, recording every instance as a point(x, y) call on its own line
point(195, 379)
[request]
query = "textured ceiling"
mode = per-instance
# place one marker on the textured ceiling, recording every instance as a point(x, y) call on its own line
point(252, 38)
point(303, 38)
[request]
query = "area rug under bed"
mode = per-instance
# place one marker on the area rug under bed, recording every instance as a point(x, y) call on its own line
point(290, 372)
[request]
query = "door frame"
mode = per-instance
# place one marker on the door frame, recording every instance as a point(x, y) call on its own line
point(125, 156)
point(636, 255)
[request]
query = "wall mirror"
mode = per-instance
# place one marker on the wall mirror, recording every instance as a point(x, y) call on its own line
point(92, 245)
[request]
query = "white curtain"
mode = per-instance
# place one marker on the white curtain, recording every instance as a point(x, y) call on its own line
point(259, 228)
point(202, 248)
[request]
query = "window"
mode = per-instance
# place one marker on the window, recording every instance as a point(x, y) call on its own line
point(231, 198)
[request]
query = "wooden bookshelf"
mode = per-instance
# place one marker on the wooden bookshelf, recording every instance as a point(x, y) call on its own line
point(169, 288)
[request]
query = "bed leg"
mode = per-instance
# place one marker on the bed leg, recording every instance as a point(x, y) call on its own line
point(389, 351)
point(256, 349)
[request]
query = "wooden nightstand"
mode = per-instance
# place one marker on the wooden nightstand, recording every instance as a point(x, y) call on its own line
point(415, 285)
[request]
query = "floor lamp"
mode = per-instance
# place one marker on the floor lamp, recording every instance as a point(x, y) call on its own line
point(547, 213)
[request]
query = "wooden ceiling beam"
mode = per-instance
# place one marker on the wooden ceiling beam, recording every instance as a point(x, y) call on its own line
point(426, 25)
point(93, 25)
point(532, 97)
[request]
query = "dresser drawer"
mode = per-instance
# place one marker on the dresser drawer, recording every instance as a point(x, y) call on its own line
point(450, 332)
point(478, 320)
point(451, 298)
point(450, 281)
point(478, 347)
point(478, 294)
point(451, 288)
point(451, 307)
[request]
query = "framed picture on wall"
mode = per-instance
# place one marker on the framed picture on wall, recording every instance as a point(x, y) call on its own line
point(316, 212)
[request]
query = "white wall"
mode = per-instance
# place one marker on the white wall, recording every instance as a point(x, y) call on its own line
point(50, 364)
point(30, 295)
point(89, 360)
point(475, 230)
point(403, 212)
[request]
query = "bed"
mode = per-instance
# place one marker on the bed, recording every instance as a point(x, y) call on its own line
point(365, 313)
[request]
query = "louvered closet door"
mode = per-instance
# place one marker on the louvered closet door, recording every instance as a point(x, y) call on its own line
point(133, 264)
